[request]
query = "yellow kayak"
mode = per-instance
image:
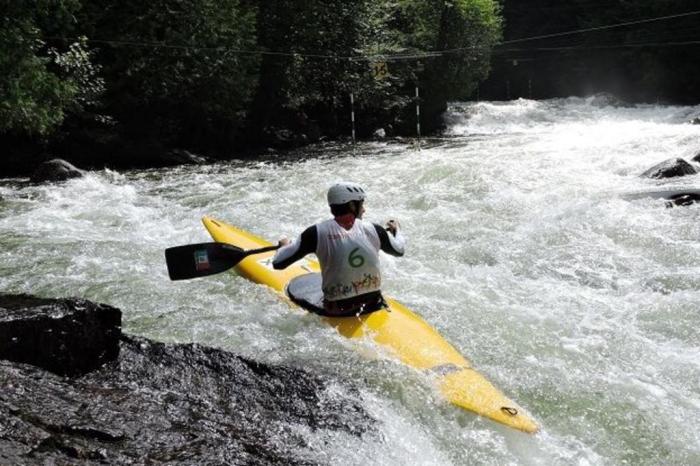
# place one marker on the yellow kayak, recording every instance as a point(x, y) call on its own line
point(397, 329)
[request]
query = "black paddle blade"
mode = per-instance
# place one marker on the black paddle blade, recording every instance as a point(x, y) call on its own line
point(200, 260)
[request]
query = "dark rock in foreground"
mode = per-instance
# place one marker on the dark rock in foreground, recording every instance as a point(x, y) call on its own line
point(696, 158)
point(67, 337)
point(55, 170)
point(670, 168)
point(174, 404)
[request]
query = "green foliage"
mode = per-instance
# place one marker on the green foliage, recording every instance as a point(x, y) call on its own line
point(190, 73)
point(462, 32)
point(40, 85)
point(311, 41)
point(467, 30)
point(370, 32)
point(175, 63)
point(80, 73)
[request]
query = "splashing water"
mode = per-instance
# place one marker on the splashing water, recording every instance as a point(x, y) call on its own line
point(523, 252)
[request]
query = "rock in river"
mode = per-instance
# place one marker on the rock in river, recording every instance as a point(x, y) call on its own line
point(155, 403)
point(55, 170)
point(67, 337)
point(670, 168)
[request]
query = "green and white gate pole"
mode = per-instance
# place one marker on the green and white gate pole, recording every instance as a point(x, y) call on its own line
point(418, 116)
point(352, 115)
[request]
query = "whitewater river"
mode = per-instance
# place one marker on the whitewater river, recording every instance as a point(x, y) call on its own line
point(579, 303)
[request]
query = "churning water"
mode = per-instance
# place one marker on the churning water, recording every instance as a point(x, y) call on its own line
point(524, 252)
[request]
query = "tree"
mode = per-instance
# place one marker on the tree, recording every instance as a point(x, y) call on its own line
point(178, 72)
point(196, 74)
point(309, 65)
point(40, 85)
point(461, 33)
point(324, 50)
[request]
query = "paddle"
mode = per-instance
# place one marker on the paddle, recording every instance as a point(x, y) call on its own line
point(200, 260)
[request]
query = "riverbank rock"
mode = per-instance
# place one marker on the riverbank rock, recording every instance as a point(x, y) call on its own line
point(66, 337)
point(55, 170)
point(180, 157)
point(168, 404)
point(287, 139)
point(282, 138)
point(669, 169)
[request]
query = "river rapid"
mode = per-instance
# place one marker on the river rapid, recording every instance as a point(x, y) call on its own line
point(524, 252)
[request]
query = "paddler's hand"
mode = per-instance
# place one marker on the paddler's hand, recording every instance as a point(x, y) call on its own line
point(392, 226)
point(284, 241)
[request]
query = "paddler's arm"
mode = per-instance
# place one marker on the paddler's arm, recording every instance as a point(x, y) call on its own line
point(292, 252)
point(391, 239)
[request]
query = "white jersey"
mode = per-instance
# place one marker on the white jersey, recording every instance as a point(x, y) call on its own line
point(349, 259)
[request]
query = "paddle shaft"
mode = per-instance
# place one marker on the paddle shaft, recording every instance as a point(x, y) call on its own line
point(250, 252)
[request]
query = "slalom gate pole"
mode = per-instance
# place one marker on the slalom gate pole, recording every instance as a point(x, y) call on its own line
point(352, 116)
point(418, 115)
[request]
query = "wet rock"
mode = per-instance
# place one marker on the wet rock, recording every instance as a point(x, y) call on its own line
point(379, 134)
point(180, 157)
point(677, 197)
point(683, 199)
point(669, 169)
point(283, 138)
point(695, 121)
point(55, 170)
point(68, 336)
point(173, 404)
point(696, 159)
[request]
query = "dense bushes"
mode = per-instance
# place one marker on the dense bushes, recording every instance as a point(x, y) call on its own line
point(215, 76)
point(40, 85)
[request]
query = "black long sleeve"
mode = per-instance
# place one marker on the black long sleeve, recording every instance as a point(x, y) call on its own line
point(390, 244)
point(305, 244)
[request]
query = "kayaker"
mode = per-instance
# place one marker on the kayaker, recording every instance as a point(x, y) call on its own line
point(347, 248)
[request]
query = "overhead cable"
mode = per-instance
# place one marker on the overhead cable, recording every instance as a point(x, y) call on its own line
point(600, 28)
point(402, 56)
point(588, 47)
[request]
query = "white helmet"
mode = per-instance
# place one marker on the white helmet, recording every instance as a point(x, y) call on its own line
point(344, 192)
